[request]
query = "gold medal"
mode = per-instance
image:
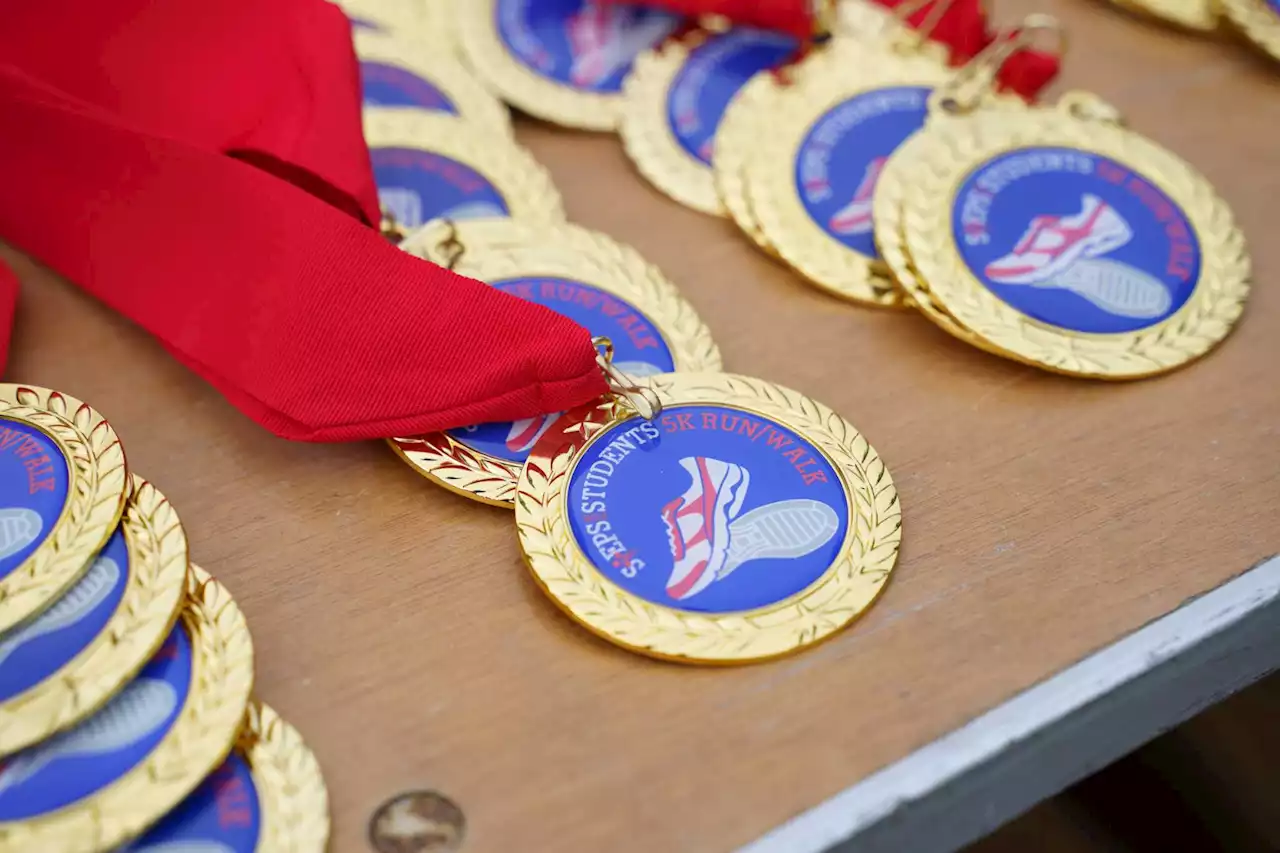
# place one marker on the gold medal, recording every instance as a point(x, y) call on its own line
point(1055, 236)
point(709, 518)
point(268, 796)
point(433, 166)
point(676, 98)
point(563, 62)
point(601, 284)
point(103, 781)
point(63, 484)
point(396, 74)
point(1259, 20)
point(62, 666)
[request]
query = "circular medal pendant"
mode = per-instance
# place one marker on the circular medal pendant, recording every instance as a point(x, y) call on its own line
point(430, 166)
point(605, 286)
point(1259, 20)
point(115, 773)
point(63, 665)
point(744, 522)
point(267, 796)
point(675, 100)
point(1071, 243)
point(63, 484)
point(395, 74)
point(560, 60)
point(812, 181)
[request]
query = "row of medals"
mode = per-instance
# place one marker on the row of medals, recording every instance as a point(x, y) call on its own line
point(127, 720)
point(1050, 234)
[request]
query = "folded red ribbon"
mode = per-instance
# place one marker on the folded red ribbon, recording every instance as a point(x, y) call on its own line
point(200, 169)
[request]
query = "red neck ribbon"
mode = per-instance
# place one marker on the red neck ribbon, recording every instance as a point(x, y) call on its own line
point(963, 27)
point(199, 167)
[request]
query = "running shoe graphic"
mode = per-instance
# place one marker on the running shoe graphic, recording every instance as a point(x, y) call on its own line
point(19, 527)
point(1116, 288)
point(1052, 244)
point(525, 433)
point(402, 203)
point(855, 217)
point(83, 598)
point(698, 523)
point(606, 39)
point(787, 529)
point(193, 845)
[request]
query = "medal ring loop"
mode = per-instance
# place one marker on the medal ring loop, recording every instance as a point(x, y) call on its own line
point(978, 76)
point(643, 400)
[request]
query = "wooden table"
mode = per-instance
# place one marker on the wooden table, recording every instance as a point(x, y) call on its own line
point(1045, 519)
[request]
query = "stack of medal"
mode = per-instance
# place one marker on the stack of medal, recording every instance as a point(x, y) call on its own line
point(126, 722)
point(1257, 20)
point(1050, 235)
point(658, 518)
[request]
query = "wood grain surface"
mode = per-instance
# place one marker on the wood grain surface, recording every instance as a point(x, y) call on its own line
point(1044, 518)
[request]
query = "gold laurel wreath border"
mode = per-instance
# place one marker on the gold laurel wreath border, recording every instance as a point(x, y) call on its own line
point(473, 101)
point(97, 486)
point(199, 740)
point(944, 159)
point(845, 590)
point(497, 250)
point(291, 789)
point(521, 86)
point(1257, 21)
point(153, 595)
point(735, 145)
point(524, 183)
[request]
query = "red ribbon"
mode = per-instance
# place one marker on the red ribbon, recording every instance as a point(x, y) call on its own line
point(963, 27)
point(199, 168)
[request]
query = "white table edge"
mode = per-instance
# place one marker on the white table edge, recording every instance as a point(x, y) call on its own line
point(974, 779)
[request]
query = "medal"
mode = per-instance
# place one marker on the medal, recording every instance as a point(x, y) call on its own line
point(63, 485)
point(395, 74)
point(1259, 20)
point(1201, 15)
point(811, 178)
point(560, 60)
point(427, 25)
point(675, 100)
point(267, 796)
point(63, 665)
point(740, 521)
point(1057, 237)
point(605, 286)
point(431, 166)
point(103, 781)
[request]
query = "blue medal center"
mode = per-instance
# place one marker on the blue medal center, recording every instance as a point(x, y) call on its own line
point(713, 74)
point(33, 491)
point(708, 509)
point(580, 43)
point(638, 350)
point(37, 650)
point(839, 162)
point(223, 811)
point(1076, 240)
point(418, 186)
point(88, 757)
point(392, 86)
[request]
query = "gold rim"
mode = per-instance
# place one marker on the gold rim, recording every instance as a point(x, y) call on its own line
point(786, 224)
point(498, 250)
point(735, 143)
point(523, 183)
point(199, 740)
point(840, 595)
point(154, 591)
point(1258, 21)
point(948, 152)
point(97, 485)
point(291, 789)
point(522, 87)
point(427, 24)
point(1196, 15)
point(473, 101)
